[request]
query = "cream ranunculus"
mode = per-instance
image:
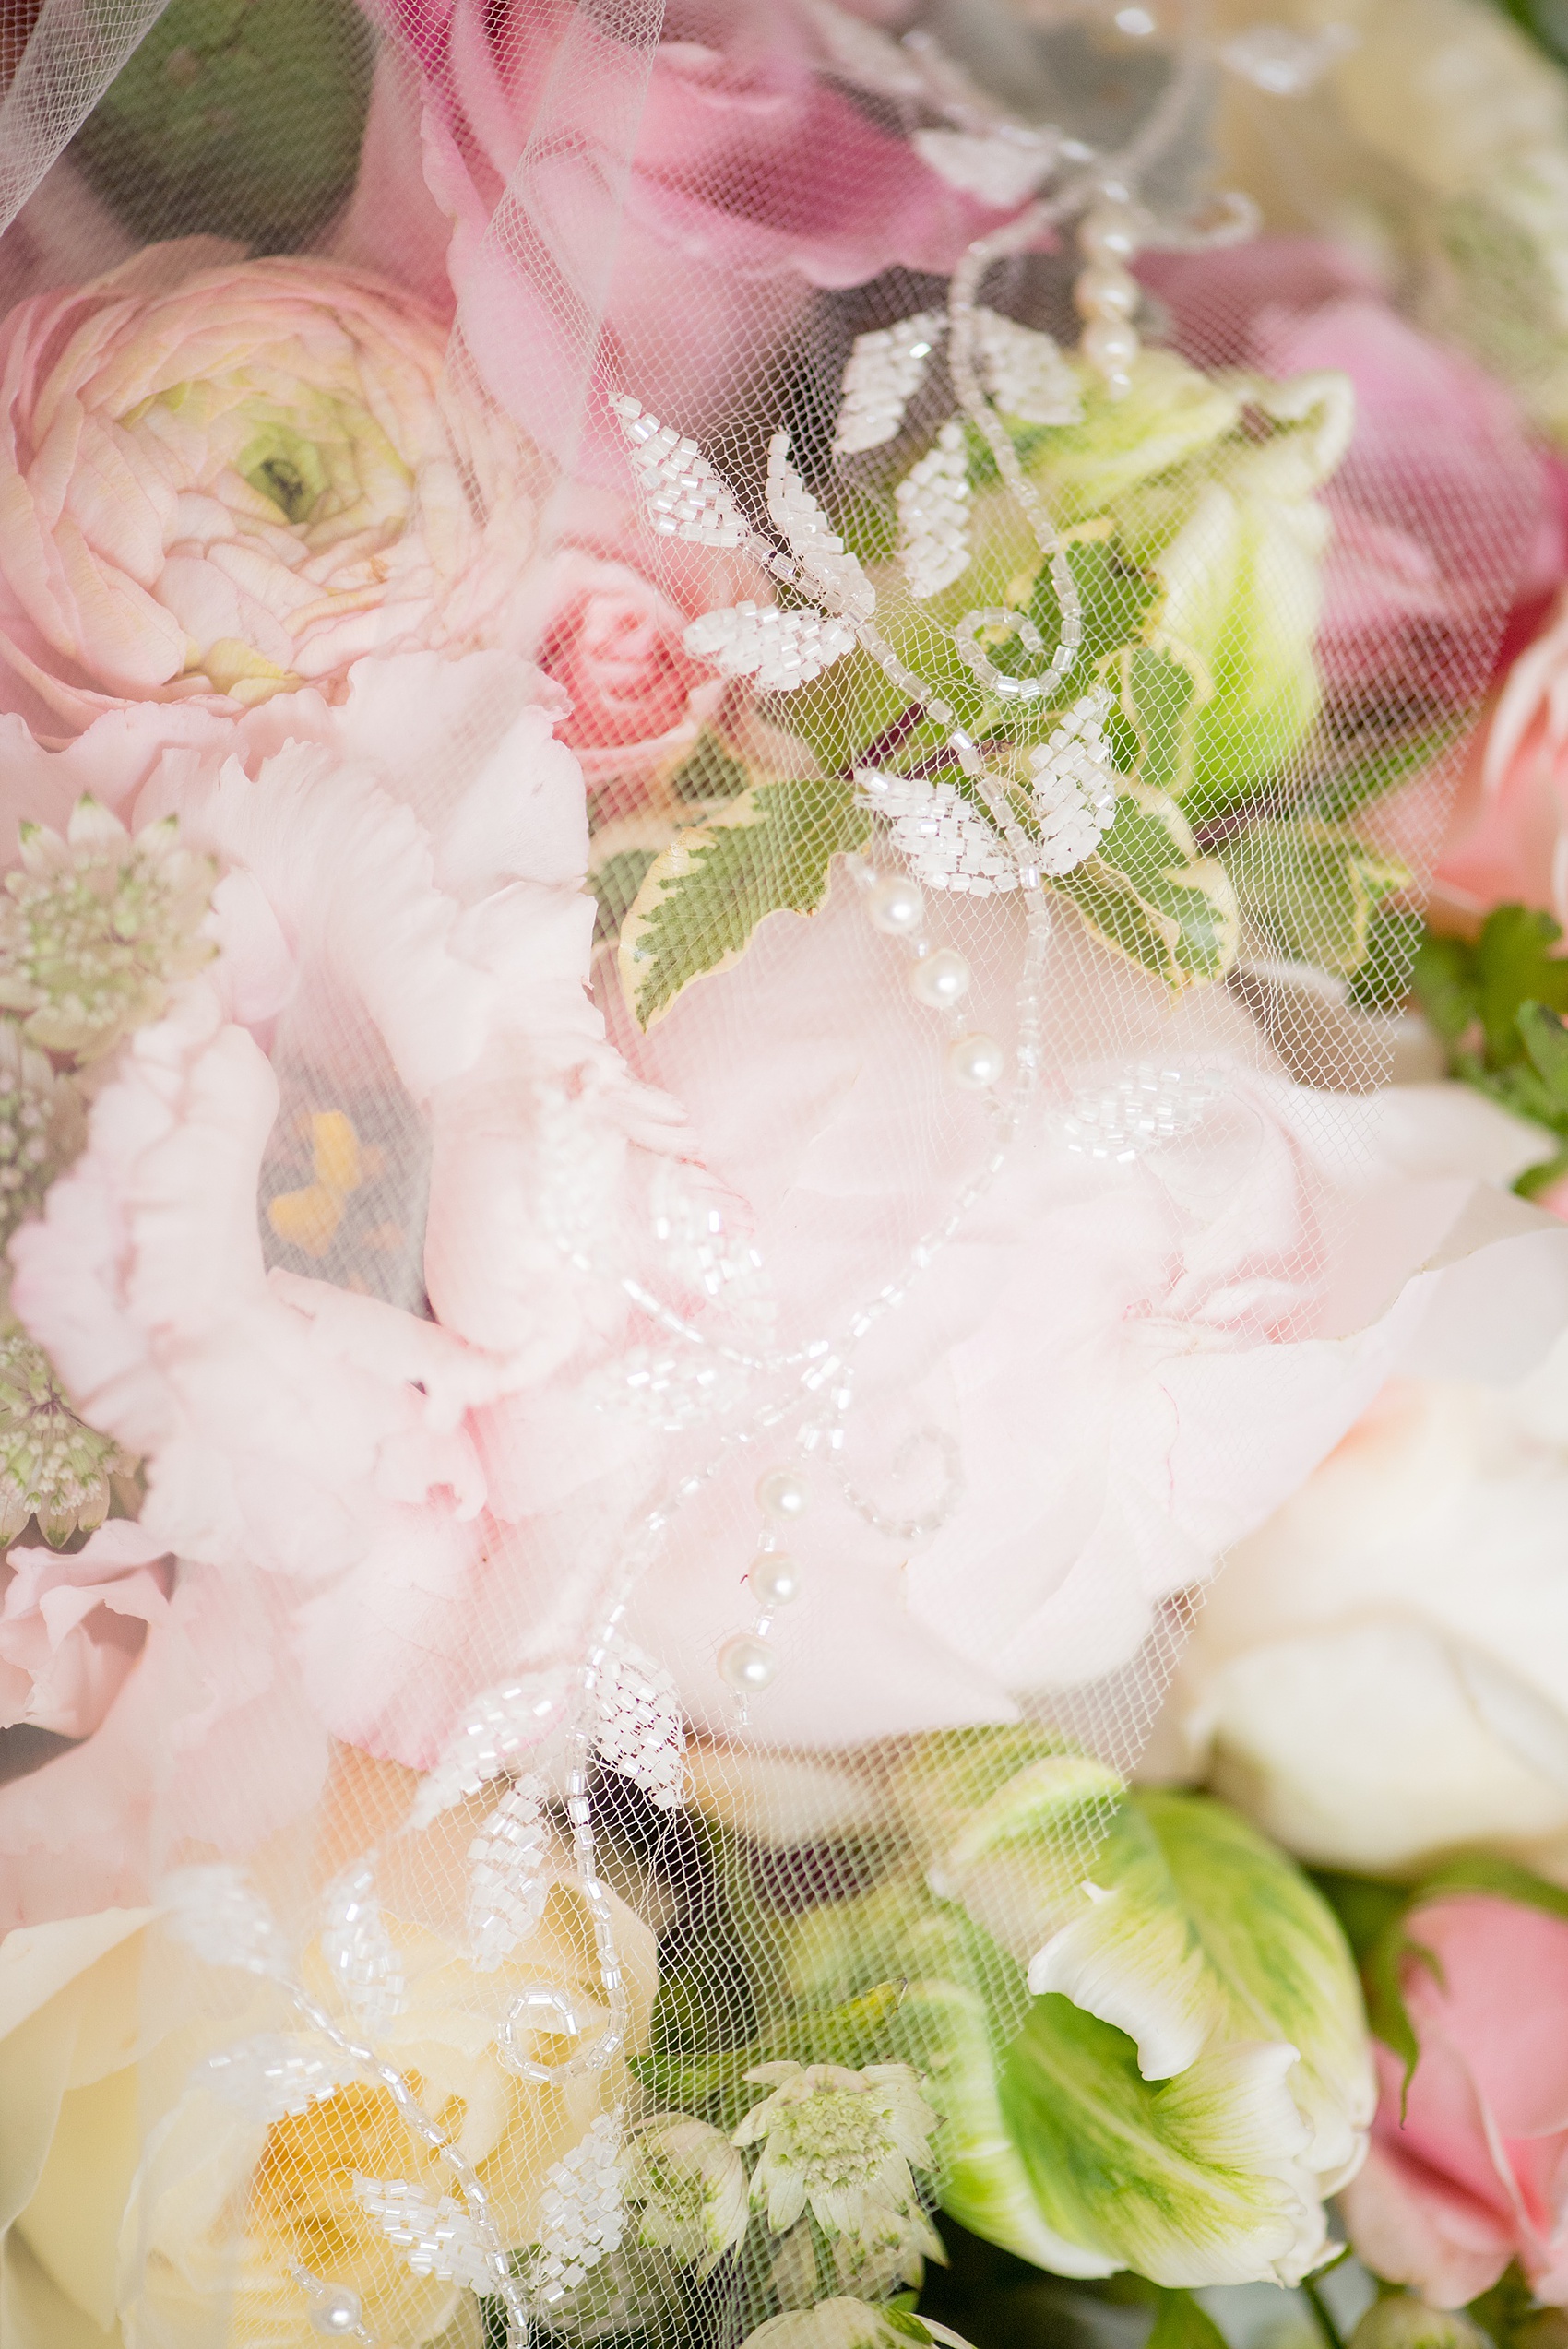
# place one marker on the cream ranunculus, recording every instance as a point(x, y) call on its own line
point(1381, 1672)
point(220, 479)
point(149, 2196)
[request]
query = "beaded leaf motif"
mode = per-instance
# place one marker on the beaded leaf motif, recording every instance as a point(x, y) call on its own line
point(437, 2239)
point(885, 370)
point(270, 2079)
point(933, 516)
point(1073, 787)
point(358, 1947)
point(824, 561)
point(583, 2212)
point(506, 1887)
point(639, 1730)
point(945, 840)
point(220, 1915)
point(1025, 372)
point(780, 648)
point(686, 497)
point(497, 1725)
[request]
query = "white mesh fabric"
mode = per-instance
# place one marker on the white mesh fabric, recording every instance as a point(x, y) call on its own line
point(482, 1465)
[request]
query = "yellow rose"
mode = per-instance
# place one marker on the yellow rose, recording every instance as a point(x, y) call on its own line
point(148, 2204)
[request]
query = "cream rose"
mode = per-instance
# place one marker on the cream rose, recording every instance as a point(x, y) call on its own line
point(1381, 1672)
point(149, 2190)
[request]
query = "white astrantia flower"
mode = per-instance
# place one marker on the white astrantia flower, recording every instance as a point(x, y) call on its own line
point(843, 2142)
point(98, 927)
point(689, 2186)
point(849, 2324)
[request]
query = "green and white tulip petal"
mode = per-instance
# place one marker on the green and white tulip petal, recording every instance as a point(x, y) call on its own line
point(1197, 2181)
point(1197, 1934)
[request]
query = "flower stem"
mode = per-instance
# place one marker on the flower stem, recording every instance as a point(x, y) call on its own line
point(1312, 2293)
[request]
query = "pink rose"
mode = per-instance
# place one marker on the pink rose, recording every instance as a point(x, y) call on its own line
point(752, 181)
point(221, 479)
point(73, 1627)
point(1508, 833)
point(1475, 2175)
point(613, 644)
point(1444, 516)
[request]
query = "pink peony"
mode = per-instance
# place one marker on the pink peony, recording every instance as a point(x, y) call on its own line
point(1444, 516)
point(73, 1627)
point(751, 181)
point(393, 1047)
point(1476, 2176)
point(220, 479)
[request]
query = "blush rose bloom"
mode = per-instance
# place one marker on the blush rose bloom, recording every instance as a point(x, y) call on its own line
point(1508, 835)
point(751, 181)
point(612, 643)
point(1476, 2176)
point(220, 479)
point(1445, 516)
point(73, 1627)
point(144, 2196)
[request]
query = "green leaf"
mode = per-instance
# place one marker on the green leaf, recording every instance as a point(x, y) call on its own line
point(1363, 774)
point(1443, 978)
point(1546, 1040)
point(1149, 896)
point(769, 851)
point(1181, 2323)
point(1161, 691)
point(615, 884)
point(1502, 1879)
point(1312, 890)
point(1514, 964)
point(234, 120)
point(711, 771)
point(1384, 979)
point(1115, 599)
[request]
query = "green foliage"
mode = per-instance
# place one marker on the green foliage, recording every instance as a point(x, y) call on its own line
point(711, 771)
point(615, 884)
point(1312, 890)
point(1149, 896)
point(1497, 1004)
point(234, 118)
point(769, 852)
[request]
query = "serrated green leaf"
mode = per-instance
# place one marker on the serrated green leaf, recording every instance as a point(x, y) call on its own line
point(1443, 978)
point(769, 851)
point(1160, 690)
point(1514, 964)
point(615, 884)
point(709, 771)
point(1115, 601)
point(1149, 896)
point(1312, 890)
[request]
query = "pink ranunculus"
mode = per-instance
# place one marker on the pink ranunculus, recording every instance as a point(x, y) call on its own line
point(752, 181)
point(1446, 518)
point(1475, 2175)
point(222, 479)
point(73, 1626)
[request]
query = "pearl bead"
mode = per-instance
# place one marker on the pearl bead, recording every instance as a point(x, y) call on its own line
point(1106, 293)
point(782, 1493)
point(896, 906)
point(1109, 346)
point(941, 980)
point(336, 2311)
point(747, 1665)
point(1109, 233)
point(775, 1579)
point(975, 1061)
